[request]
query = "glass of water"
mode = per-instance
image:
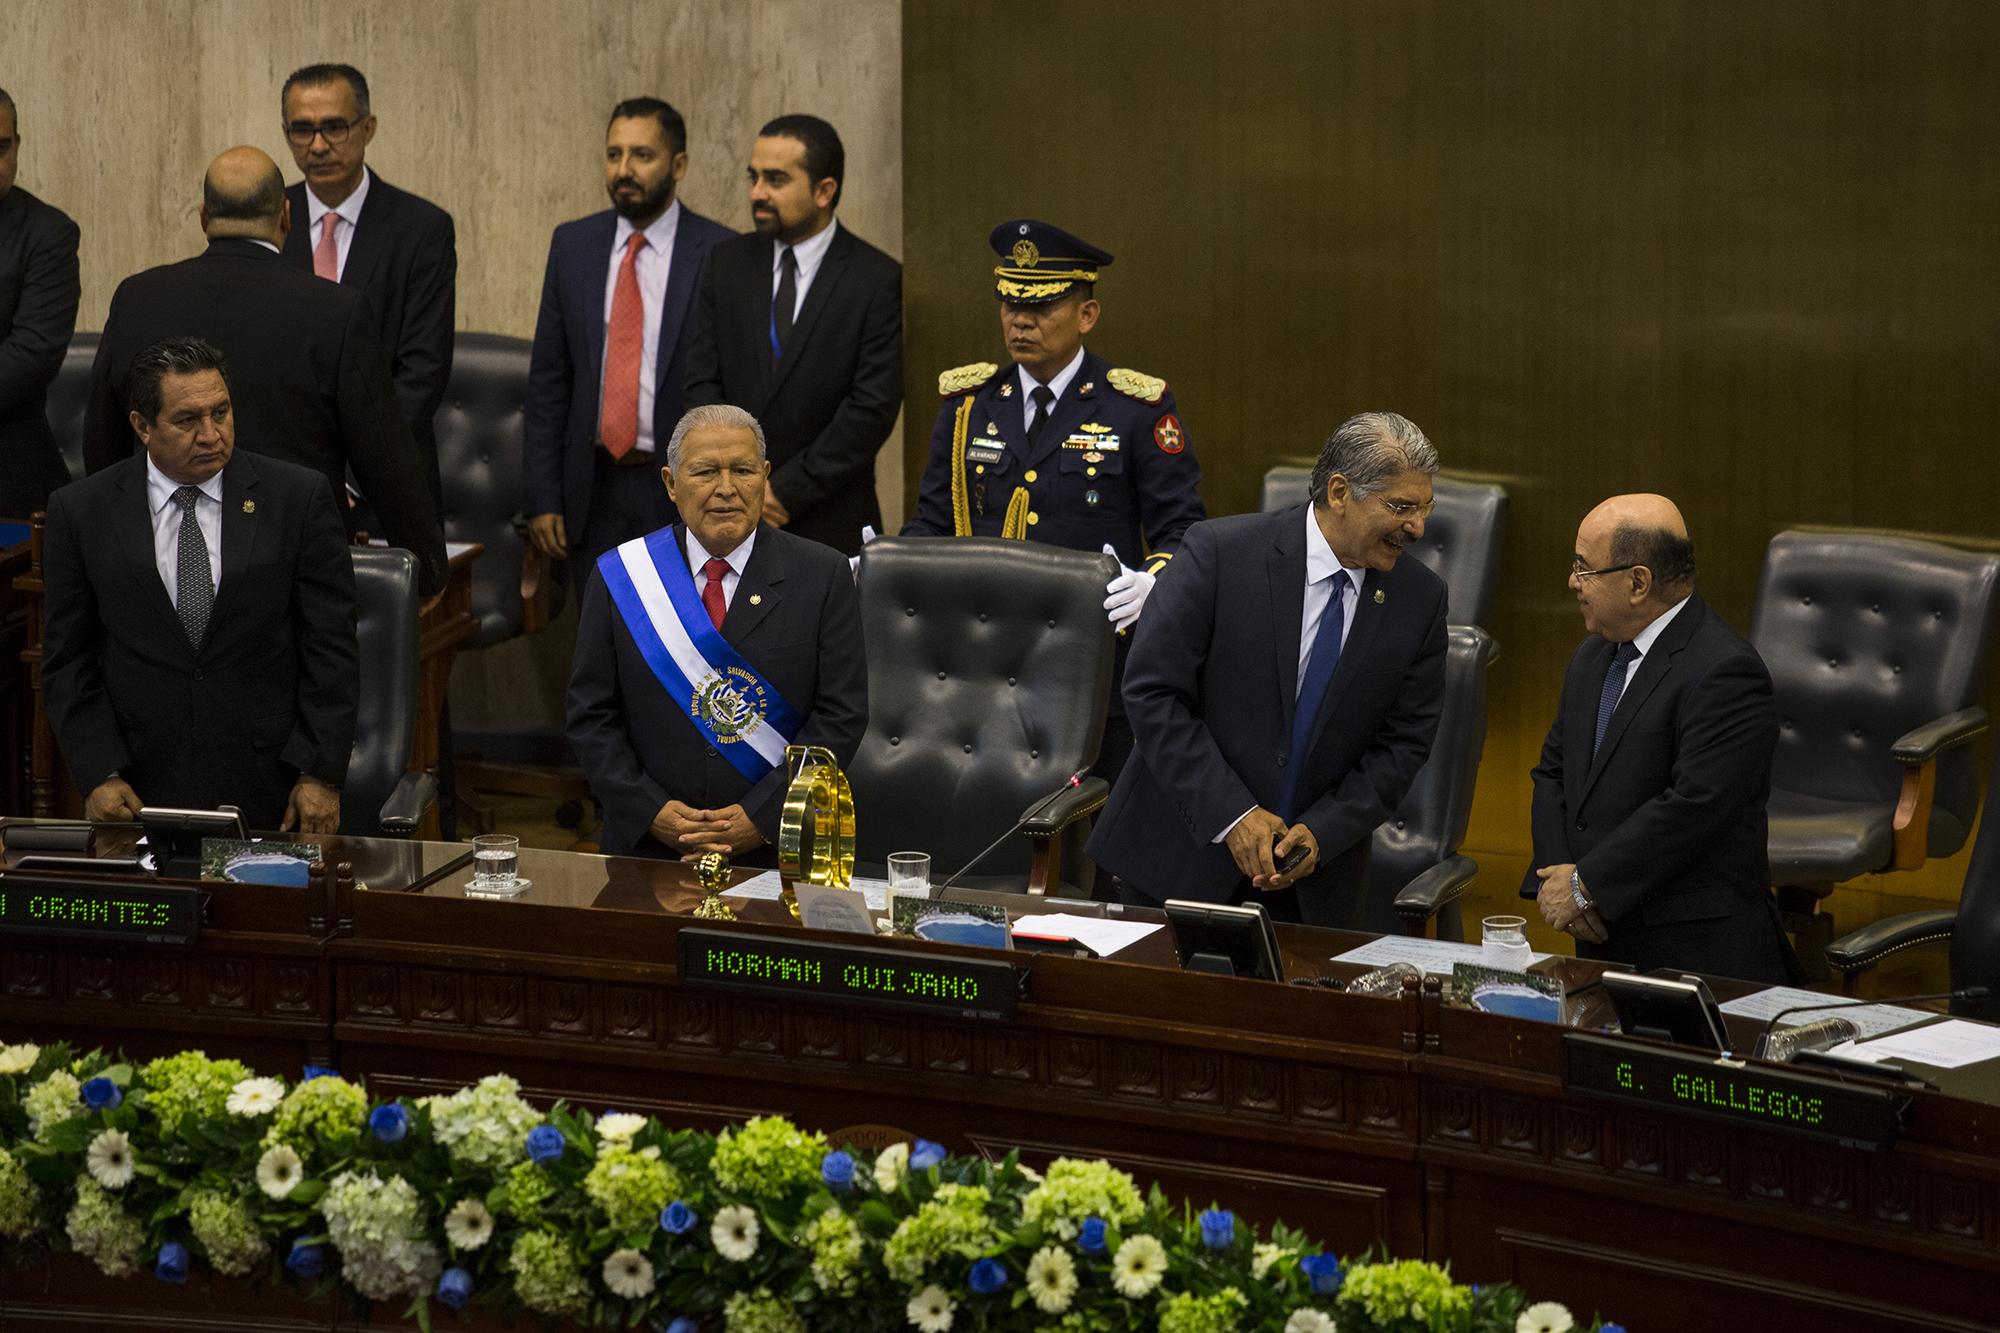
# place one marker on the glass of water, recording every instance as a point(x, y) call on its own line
point(496, 864)
point(910, 874)
point(1504, 940)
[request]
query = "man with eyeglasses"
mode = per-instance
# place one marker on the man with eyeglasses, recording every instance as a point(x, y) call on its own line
point(1649, 805)
point(1284, 688)
point(352, 227)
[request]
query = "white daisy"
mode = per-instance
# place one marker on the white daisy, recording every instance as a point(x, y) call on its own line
point(19, 1059)
point(629, 1273)
point(1544, 1317)
point(890, 1164)
point(1308, 1321)
point(279, 1171)
point(735, 1232)
point(468, 1225)
point(110, 1159)
point(255, 1096)
point(619, 1127)
point(1138, 1266)
point(1262, 1256)
point(1052, 1279)
point(931, 1309)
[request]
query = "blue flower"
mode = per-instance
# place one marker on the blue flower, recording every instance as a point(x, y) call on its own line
point(101, 1094)
point(312, 1072)
point(173, 1263)
point(390, 1123)
point(1090, 1239)
point(1323, 1271)
point(306, 1260)
point(837, 1171)
point(678, 1219)
point(925, 1155)
point(987, 1277)
point(1611, 1328)
point(1218, 1228)
point(681, 1325)
point(454, 1288)
point(545, 1144)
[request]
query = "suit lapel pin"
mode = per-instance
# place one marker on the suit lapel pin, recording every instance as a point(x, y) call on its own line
point(1085, 390)
point(1380, 597)
point(249, 506)
point(1006, 391)
point(756, 599)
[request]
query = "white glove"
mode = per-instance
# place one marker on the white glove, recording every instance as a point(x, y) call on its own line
point(1125, 596)
point(868, 534)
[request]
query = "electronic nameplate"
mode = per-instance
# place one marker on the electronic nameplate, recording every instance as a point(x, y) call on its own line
point(138, 911)
point(783, 964)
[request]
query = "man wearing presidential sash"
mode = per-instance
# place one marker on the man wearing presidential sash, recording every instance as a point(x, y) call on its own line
point(703, 650)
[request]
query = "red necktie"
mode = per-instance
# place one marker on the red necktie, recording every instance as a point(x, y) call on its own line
point(326, 255)
point(624, 343)
point(711, 593)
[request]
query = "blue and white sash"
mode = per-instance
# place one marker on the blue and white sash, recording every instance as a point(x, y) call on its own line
point(740, 713)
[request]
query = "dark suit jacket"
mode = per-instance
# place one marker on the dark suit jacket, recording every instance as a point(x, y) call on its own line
point(1666, 824)
point(1210, 689)
point(38, 296)
point(307, 376)
point(827, 407)
point(566, 373)
point(794, 617)
point(272, 692)
point(404, 258)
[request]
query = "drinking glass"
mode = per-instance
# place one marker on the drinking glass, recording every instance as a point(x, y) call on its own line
point(1504, 940)
point(910, 874)
point(496, 863)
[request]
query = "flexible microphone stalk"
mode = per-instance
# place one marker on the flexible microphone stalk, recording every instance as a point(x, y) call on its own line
point(1075, 780)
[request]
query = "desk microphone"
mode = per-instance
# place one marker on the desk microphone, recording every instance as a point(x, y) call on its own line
point(1962, 993)
point(1075, 780)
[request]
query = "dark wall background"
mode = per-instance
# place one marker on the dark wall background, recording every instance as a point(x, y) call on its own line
point(1741, 252)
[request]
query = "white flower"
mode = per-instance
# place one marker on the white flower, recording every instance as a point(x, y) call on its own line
point(1544, 1317)
point(468, 1225)
point(890, 1164)
point(1138, 1266)
point(1028, 1173)
point(931, 1309)
point(619, 1127)
point(1262, 1256)
point(279, 1171)
point(110, 1159)
point(255, 1096)
point(1305, 1320)
point(735, 1232)
point(629, 1274)
point(1051, 1279)
point(19, 1059)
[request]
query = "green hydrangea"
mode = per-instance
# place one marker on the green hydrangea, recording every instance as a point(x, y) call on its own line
point(528, 1188)
point(631, 1186)
point(485, 1125)
point(953, 1221)
point(227, 1231)
point(55, 1099)
point(767, 1158)
point(318, 1110)
point(18, 1198)
point(190, 1086)
point(759, 1312)
point(835, 1243)
point(1189, 1313)
point(1074, 1190)
point(102, 1232)
point(1388, 1292)
point(547, 1277)
point(378, 1228)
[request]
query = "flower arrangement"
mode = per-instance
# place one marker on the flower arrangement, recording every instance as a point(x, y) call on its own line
point(479, 1199)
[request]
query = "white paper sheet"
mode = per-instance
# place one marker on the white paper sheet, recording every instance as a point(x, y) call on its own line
point(1434, 956)
point(1104, 937)
point(770, 886)
point(1946, 1045)
point(1870, 1020)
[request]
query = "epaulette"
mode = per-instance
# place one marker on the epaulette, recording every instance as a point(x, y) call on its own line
point(961, 378)
point(1146, 388)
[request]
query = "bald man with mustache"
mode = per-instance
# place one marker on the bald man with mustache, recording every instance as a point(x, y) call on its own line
point(1649, 800)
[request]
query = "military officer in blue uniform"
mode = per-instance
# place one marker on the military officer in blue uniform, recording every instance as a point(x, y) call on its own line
point(1061, 446)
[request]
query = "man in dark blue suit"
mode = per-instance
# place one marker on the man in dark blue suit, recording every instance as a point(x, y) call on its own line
point(38, 297)
point(1284, 689)
point(610, 357)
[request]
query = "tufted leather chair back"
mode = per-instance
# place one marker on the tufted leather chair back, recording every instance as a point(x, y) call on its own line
point(989, 668)
point(385, 613)
point(479, 461)
point(1430, 824)
point(67, 397)
point(1867, 637)
point(1461, 541)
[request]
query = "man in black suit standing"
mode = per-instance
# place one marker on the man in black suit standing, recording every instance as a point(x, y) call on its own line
point(1649, 812)
point(352, 227)
point(703, 650)
point(1284, 688)
point(312, 385)
point(801, 324)
point(611, 346)
point(200, 648)
point(38, 295)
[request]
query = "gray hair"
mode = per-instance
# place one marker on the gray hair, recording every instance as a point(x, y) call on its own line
point(703, 418)
point(1371, 449)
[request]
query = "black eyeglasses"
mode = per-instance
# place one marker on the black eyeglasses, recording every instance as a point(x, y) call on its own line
point(334, 131)
point(1577, 571)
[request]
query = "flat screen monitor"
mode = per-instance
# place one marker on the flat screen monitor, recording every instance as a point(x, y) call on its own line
point(1229, 941)
point(174, 836)
point(1680, 1011)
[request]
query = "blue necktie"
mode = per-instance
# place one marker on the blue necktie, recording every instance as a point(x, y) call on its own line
point(1614, 685)
point(1325, 656)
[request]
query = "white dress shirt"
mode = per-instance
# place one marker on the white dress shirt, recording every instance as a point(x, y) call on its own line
point(809, 253)
point(652, 267)
point(1644, 641)
point(1056, 386)
point(166, 514)
point(349, 212)
point(699, 555)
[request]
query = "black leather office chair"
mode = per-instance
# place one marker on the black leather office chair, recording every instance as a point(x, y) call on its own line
point(67, 397)
point(382, 798)
point(1461, 542)
point(1876, 646)
point(989, 667)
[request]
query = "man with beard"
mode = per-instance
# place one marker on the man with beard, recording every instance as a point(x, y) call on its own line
point(610, 357)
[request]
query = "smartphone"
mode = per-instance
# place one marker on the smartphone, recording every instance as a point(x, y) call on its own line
point(1292, 860)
